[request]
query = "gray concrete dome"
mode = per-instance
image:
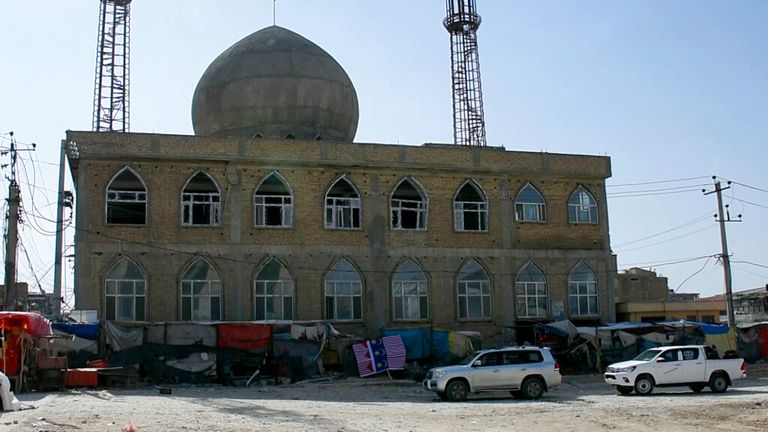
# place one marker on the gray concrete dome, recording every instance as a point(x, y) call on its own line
point(276, 84)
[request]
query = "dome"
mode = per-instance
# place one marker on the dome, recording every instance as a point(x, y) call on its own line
point(277, 84)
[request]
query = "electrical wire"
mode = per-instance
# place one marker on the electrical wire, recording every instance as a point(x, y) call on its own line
point(658, 182)
point(685, 224)
point(668, 240)
point(694, 273)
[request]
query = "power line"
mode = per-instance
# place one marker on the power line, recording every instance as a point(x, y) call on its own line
point(751, 263)
point(694, 274)
point(749, 202)
point(659, 181)
point(668, 240)
point(666, 263)
point(691, 222)
point(631, 194)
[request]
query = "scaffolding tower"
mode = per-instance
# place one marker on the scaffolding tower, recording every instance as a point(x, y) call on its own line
point(110, 101)
point(462, 22)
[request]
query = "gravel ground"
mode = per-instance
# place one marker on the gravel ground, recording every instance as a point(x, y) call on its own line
point(378, 404)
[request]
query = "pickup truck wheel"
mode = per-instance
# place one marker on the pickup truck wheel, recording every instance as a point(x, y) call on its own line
point(625, 390)
point(457, 391)
point(644, 385)
point(697, 388)
point(718, 383)
point(533, 388)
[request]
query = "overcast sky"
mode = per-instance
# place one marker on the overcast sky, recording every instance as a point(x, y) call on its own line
point(669, 90)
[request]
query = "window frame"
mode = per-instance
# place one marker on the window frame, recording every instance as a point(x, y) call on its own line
point(485, 289)
point(284, 285)
point(338, 209)
point(522, 206)
point(210, 200)
point(421, 208)
point(209, 285)
point(574, 298)
point(137, 199)
point(132, 298)
point(420, 298)
point(355, 293)
point(286, 208)
point(577, 209)
point(524, 297)
point(462, 208)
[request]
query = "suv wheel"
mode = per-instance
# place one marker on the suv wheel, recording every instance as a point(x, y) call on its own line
point(533, 388)
point(644, 385)
point(457, 391)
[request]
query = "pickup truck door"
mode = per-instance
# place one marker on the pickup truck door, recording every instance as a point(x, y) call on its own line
point(668, 368)
point(694, 365)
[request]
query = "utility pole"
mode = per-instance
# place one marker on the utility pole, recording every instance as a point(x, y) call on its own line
point(12, 234)
point(722, 217)
point(57, 265)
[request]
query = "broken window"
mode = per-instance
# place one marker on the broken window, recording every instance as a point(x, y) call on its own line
point(342, 206)
point(201, 292)
point(201, 201)
point(470, 209)
point(125, 292)
point(582, 291)
point(474, 292)
point(126, 199)
point(273, 203)
point(343, 293)
point(409, 208)
point(273, 293)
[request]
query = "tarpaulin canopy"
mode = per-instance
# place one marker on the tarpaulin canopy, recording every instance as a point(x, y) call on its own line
point(705, 328)
point(249, 337)
point(83, 330)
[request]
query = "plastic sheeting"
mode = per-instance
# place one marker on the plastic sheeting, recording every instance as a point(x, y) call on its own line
point(182, 333)
point(122, 336)
point(249, 337)
point(427, 343)
point(82, 330)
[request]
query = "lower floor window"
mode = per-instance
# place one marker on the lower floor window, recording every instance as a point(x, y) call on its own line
point(411, 300)
point(200, 300)
point(582, 298)
point(125, 300)
point(273, 300)
point(343, 300)
point(474, 300)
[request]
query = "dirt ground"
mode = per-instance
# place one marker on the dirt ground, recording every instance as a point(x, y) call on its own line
point(581, 403)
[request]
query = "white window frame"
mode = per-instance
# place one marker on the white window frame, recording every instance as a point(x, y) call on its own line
point(340, 211)
point(526, 291)
point(462, 208)
point(578, 290)
point(521, 207)
point(192, 200)
point(581, 208)
point(485, 292)
point(123, 196)
point(210, 289)
point(335, 289)
point(112, 289)
point(399, 205)
point(418, 291)
point(284, 202)
point(283, 289)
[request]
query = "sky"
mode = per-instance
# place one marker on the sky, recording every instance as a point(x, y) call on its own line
point(673, 92)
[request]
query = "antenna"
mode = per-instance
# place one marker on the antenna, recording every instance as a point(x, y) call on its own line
point(462, 22)
point(110, 99)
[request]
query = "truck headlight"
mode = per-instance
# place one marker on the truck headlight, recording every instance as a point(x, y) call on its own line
point(626, 369)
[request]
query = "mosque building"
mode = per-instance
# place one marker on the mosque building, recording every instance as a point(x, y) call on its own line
point(271, 211)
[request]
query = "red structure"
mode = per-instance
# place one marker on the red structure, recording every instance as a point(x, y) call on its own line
point(20, 331)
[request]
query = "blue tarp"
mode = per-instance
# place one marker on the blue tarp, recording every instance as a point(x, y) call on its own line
point(710, 329)
point(83, 330)
point(426, 343)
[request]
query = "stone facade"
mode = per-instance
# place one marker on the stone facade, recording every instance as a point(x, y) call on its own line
point(163, 247)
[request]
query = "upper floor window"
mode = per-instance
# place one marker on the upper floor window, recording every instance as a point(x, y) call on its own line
point(343, 293)
point(273, 203)
point(470, 208)
point(410, 292)
point(474, 291)
point(530, 205)
point(273, 293)
point(531, 292)
point(582, 291)
point(582, 207)
point(200, 292)
point(125, 292)
point(409, 207)
point(126, 199)
point(201, 201)
point(342, 206)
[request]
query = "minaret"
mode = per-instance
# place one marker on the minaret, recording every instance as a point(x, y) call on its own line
point(110, 100)
point(462, 22)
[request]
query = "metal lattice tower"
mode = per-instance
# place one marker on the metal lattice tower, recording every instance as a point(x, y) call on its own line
point(462, 22)
point(110, 100)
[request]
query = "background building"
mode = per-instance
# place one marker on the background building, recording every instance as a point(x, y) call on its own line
point(272, 212)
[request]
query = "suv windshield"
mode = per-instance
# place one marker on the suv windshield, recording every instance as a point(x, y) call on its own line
point(467, 360)
point(648, 355)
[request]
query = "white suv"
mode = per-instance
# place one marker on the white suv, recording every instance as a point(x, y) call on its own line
point(523, 371)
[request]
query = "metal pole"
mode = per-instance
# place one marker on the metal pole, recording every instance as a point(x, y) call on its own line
point(12, 234)
point(57, 263)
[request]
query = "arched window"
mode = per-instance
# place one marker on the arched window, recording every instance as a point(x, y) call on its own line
point(470, 208)
point(582, 207)
point(273, 293)
point(531, 297)
point(342, 206)
point(530, 205)
point(582, 291)
point(273, 202)
point(126, 199)
point(474, 292)
point(409, 207)
point(201, 292)
point(201, 201)
point(410, 292)
point(343, 293)
point(125, 292)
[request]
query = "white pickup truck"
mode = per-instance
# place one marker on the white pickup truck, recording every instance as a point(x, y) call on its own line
point(695, 366)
